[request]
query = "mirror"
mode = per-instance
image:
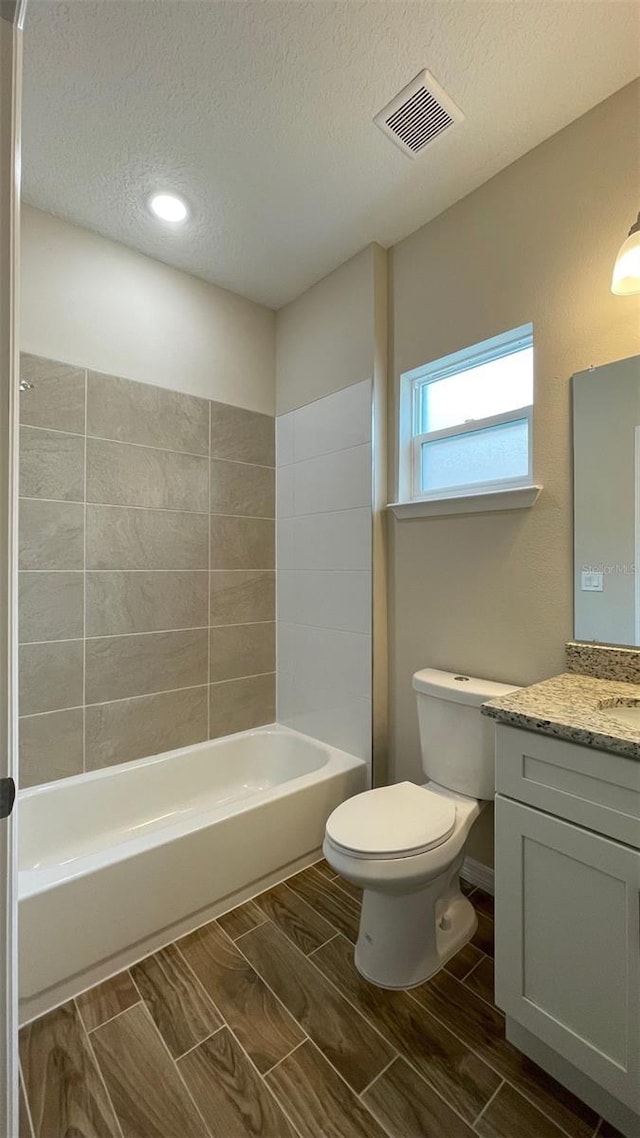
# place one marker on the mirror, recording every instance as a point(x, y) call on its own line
point(606, 470)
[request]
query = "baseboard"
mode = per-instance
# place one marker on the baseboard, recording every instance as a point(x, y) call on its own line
point(478, 874)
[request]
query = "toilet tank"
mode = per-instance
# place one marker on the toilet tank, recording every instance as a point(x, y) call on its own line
point(457, 741)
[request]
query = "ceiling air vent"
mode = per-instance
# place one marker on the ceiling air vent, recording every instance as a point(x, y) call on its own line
point(418, 115)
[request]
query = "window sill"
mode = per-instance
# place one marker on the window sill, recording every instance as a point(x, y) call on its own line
point(518, 498)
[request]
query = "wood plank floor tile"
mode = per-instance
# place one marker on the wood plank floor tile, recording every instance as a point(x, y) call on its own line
point(483, 902)
point(481, 980)
point(482, 1027)
point(231, 1097)
point(107, 1000)
point(407, 1106)
point(238, 921)
point(464, 961)
point(23, 1116)
point(316, 1099)
point(147, 1092)
point(509, 1115)
point(65, 1092)
point(483, 936)
point(344, 1037)
point(327, 899)
point(179, 1006)
point(448, 1065)
point(265, 1029)
point(297, 920)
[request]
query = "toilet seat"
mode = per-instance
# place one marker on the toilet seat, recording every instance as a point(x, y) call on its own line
point(392, 822)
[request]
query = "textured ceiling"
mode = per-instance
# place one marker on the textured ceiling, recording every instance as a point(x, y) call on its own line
point(259, 113)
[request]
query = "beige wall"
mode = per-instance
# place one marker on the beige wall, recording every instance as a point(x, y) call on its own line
point(326, 338)
point(97, 304)
point(491, 594)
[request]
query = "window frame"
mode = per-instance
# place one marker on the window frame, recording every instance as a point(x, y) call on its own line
point(412, 384)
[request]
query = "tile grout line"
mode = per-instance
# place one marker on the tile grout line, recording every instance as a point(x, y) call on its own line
point(195, 1046)
point(137, 506)
point(293, 1050)
point(378, 1076)
point(110, 1019)
point(153, 632)
point(324, 944)
point(178, 570)
point(23, 1085)
point(488, 1103)
point(247, 931)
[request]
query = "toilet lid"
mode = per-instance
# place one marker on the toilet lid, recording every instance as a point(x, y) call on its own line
point(392, 821)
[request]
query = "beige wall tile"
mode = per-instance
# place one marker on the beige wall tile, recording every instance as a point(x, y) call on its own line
point(238, 488)
point(51, 746)
point(50, 676)
point(239, 596)
point(51, 465)
point(51, 606)
point(119, 537)
point(242, 650)
point(242, 543)
point(57, 398)
point(141, 413)
point(133, 728)
point(120, 474)
point(51, 535)
point(123, 666)
point(120, 603)
point(242, 435)
point(238, 705)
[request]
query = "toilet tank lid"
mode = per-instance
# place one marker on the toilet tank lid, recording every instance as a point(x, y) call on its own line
point(458, 688)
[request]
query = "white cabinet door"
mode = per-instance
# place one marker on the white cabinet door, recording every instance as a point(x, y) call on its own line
point(568, 943)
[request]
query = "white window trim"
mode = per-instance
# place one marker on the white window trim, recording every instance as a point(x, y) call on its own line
point(479, 496)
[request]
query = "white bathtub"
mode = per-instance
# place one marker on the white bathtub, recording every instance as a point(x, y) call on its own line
point(118, 862)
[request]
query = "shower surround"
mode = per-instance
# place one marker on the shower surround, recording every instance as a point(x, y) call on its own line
point(147, 570)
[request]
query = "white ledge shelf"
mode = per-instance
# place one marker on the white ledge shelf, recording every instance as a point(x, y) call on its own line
point(520, 498)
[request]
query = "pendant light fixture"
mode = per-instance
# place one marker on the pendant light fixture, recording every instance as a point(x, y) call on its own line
point(626, 271)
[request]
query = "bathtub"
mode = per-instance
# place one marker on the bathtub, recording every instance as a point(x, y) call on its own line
point(116, 863)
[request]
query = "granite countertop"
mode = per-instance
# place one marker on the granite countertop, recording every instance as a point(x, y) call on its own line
point(569, 707)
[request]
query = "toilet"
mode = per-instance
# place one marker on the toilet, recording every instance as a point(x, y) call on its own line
point(404, 845)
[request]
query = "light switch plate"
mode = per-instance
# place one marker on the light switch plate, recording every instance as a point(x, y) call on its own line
point(591, 581)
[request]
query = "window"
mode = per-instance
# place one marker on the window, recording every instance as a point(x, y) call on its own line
point(466, 420)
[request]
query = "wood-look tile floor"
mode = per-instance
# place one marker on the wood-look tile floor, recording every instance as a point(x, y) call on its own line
point(259, 1025)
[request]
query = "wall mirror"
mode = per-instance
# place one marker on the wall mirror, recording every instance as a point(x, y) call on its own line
point(606, 470)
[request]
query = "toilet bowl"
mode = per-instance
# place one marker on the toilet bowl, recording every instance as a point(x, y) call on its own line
point(404, 845)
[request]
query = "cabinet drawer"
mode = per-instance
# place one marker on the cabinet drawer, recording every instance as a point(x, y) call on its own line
point(596, 789)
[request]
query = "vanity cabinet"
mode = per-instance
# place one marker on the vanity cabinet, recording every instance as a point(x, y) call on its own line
point(568, 904)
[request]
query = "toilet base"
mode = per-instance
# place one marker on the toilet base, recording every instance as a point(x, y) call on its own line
point(406, 938)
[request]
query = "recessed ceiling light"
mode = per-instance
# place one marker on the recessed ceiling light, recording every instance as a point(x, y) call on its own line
point(168, 207)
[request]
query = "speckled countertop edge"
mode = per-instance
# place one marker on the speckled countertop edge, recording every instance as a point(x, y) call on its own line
point(568, 707)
